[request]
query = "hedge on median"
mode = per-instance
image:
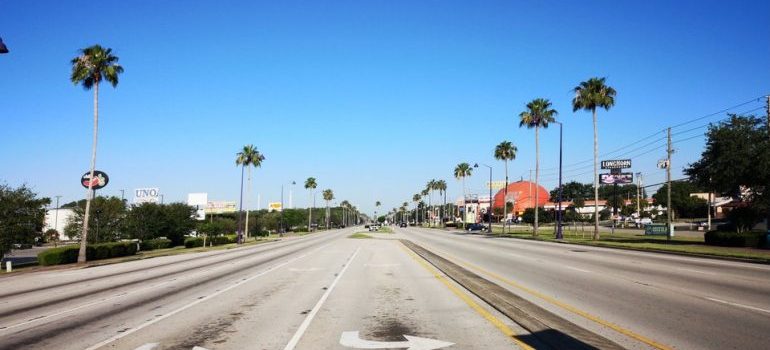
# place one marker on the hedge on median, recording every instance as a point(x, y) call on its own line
point(69, 254)
point(159, 243)
point(753, 239)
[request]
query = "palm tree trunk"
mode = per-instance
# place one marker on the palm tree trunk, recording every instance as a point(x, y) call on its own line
point(596, 179)
point(537, 176)
point(310, 211)
point(89, 194)
point(248, 194)
point(465, 208)
point(505, 198)
point(240, 211)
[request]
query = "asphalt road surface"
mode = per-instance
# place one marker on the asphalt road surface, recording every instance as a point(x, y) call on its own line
point(320, 291)
point(328, 291)
point(640, 300)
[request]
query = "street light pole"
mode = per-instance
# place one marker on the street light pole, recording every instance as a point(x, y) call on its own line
point(559, 232)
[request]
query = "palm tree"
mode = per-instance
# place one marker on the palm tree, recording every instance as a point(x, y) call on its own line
point(425, 194)
point(94, 64)
point(310, 185)
point(328, 197)
point(462, 171)
point(376, 205)
point(589, 95)
point(404, 212)
point(416, 198)
point(344, 205)
point(538, 114)
point(441, 187)
point(505, 151)
point(247, 157)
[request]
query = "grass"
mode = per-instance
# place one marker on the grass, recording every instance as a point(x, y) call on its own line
point(359, 235)
point(684, 245)
point(385, 229)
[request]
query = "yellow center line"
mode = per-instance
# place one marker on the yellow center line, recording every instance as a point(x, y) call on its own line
point(467, 299)
point(558, 303)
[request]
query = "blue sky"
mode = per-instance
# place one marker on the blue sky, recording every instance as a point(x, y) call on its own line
point(373, 98)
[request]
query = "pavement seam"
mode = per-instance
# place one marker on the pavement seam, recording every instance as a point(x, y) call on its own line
point(548, 327)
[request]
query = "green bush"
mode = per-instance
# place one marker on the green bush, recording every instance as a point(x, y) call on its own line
point(158, 243)
point(62, 255)
point(193, 242)
point(69, 254)
point(752, 239)
point(232, 238)
point(219, 240)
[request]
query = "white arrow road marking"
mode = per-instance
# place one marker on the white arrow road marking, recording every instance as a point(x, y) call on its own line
point(151, 346)
point(352, 340)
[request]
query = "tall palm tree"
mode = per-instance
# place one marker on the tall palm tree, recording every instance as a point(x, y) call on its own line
point(538, 115)
point(94, 64)
point(425, 194)
point(430, 187)
point(249, 156)
point(441, 187)
point(416, 198)
point(376, 206)
point(462, 171)
point(404, 206)
point(344, 205)
point(310, 185)
point(589, 95)
point(328, 197)
point(505, 151)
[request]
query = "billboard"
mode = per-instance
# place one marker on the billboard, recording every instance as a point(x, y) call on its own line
point(197, 199)
point(496, 185)
point(220, 207)
point(616, 164)
point(146, 195)
point(621, 179)
point(274, 206)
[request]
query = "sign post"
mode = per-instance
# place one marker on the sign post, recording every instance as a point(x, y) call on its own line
point(615, 177)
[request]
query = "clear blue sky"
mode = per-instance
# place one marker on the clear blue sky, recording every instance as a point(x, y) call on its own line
point(373, 98)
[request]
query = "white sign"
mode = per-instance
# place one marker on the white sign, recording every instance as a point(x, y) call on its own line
point(197, 199)
point(220, 207)
point(146, 195)
point(496, 185)
point(274, 206)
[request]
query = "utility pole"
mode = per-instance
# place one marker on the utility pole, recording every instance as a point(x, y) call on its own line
point(669, 151)
point(56, 218)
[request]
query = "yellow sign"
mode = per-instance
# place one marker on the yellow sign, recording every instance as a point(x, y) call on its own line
point(274, 206)
point(220, 207)
point(497, 185)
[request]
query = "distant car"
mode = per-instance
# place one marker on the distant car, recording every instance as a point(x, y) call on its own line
point(403, 224)
point(476, 227)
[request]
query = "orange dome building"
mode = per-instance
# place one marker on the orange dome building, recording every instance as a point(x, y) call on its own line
point(522, 195)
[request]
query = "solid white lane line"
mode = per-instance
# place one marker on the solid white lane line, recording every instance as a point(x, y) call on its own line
point(201, 300)
point(738, 305)
point(306, 323)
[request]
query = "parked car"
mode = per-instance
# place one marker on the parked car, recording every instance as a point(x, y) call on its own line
point(403, 224)
point(476, 228)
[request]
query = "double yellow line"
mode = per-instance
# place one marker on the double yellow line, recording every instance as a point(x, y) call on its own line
point(560, 304)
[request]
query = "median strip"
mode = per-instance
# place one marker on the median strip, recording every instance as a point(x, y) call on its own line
point(547, 327)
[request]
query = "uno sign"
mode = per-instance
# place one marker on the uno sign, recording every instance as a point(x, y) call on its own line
point(146, 195)
point(616, 164)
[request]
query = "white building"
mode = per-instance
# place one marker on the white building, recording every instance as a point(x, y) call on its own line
point(58, 221)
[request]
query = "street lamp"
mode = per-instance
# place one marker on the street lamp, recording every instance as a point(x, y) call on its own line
point(282, 228)
point(489, 210)
point(559, 232)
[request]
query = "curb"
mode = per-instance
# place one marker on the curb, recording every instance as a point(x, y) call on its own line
point(547, 327)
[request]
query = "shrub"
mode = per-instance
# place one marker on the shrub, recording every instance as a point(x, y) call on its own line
point(69, 254)
point(159, 243)
point(233, 238)
point(55, 256)
point(752, 239)
point(193, 242)
point(219, 240)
